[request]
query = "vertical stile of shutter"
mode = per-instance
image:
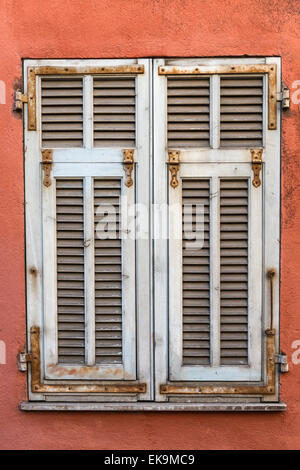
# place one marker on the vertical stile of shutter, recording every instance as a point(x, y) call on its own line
point(62, 112)
point(108, 271)
point(196, 276)
point(234, 271)
point(188, 112)
point(70, 270)
point(241, 111)
point(114, 112)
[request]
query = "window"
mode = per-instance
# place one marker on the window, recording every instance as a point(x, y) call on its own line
point(152, 225)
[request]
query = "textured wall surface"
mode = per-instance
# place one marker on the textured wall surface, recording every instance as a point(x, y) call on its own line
point(142, 28)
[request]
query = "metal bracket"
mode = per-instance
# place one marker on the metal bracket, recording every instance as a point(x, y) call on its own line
point(284, 96)
point(38, 387)
point(128, 161)
point(281, 359)
point(270, 69)
point(256, 158)
point(173, 162)
point(34, 72)
point(47, 160)
point(268, 389)
point(20, 99)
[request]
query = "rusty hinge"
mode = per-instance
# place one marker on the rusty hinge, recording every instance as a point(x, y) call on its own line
point(173, 162)
point(23, 359)
point(128, 161)
point(256, 158)
point(20, 98)
point(281, 359)
point(47, 160)
point(284, 96)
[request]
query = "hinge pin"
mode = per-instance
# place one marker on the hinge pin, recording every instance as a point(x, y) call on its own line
point(20, 99)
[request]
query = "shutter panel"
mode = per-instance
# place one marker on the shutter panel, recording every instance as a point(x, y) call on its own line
point(188, 112)
point(241, 120)
point(62, 112)
point(234, 270)
point(114, 112)
point(70, 271)
point(211, 315)
point(108, 272)
point(196, 274)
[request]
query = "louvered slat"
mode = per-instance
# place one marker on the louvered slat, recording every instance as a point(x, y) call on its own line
point(70, 270)
point(234, 271)
point(62, 112)
point(241, 111)
point(196, 278)
point(108, 271)
point(114, 112)
point(188, 112)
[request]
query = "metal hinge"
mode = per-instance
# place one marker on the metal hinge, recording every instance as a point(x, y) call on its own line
point(128, 161)
point(173, 162)
point(23, 359)
point(20, 98)
point(284, 96)
point(256, 158)
point(281, 359)
point(47, 160)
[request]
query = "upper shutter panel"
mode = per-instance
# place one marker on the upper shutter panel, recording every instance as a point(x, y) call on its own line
point(234, 271)
point(114, 112)
point(70, 270)
point(62, 112)
point(241, 111)
point(188, 112)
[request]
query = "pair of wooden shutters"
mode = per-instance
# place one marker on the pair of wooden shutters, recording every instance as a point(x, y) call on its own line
point(109, 280)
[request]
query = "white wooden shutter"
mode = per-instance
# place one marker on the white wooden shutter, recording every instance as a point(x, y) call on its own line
point(81, 227)
point(212, 300)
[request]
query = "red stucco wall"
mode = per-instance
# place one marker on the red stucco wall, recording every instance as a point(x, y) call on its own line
point(137, 28)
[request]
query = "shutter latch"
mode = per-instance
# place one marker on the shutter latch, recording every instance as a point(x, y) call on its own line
point(284, 96)
point(23, 359)
point(20, 98)
point(47, 160)
point(174, 160)
point(128, 161)
point(281, 359)
point(256, 158)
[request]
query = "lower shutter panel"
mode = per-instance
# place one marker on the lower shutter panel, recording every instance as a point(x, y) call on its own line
point(70, 271)
point(196, 277)
point(108, 271)
point(234, 271)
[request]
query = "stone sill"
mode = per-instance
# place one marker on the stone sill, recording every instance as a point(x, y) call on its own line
point(150, 406)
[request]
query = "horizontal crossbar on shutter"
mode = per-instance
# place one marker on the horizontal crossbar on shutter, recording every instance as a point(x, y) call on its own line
point(62, 112)
point(234, 271)
point(108, 271)
point(188, 112)
point(70, 271)
point(196, 272)
point(241, 111)
point(114, 111)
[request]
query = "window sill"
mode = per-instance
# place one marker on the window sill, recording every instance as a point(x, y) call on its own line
point(150, 406)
